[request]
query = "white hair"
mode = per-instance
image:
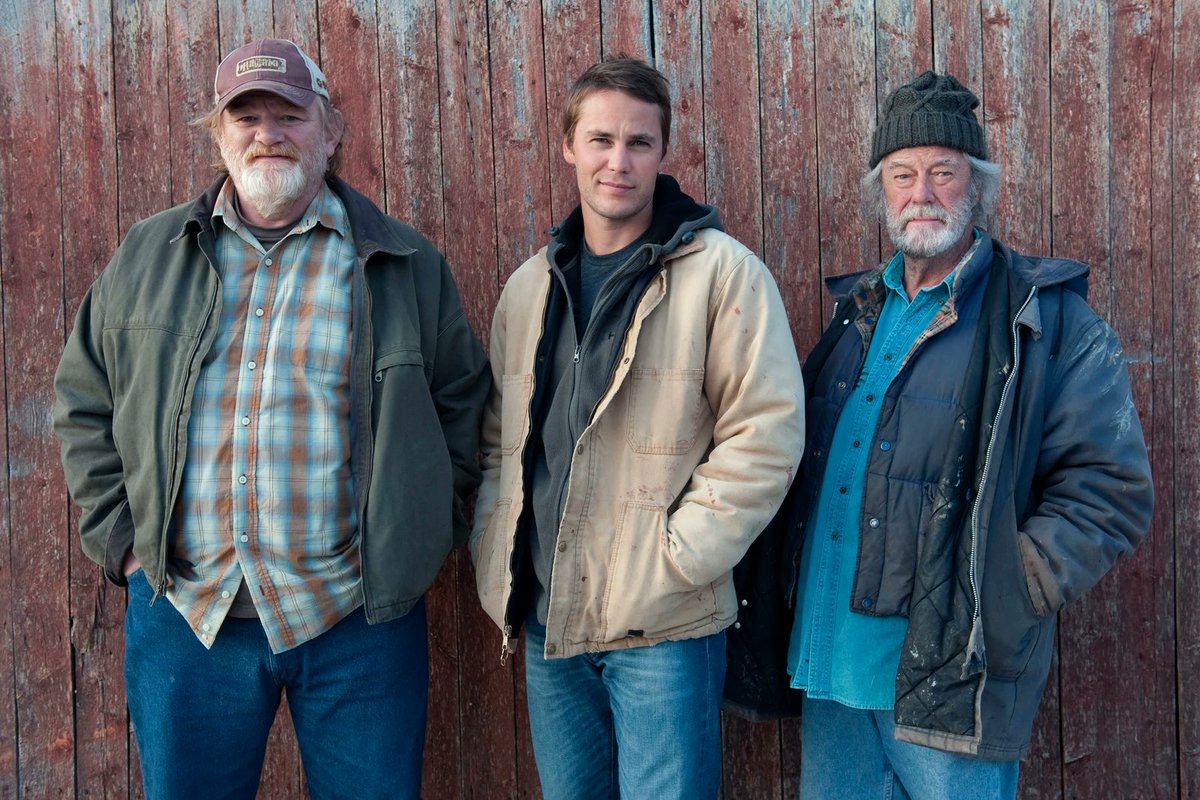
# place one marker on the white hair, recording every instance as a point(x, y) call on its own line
point(985, 186)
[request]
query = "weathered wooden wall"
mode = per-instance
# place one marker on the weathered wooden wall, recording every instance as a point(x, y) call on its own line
point(453, 107)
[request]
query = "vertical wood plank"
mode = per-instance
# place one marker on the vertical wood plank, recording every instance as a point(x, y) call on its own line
point(845, 94)
point(903, 44)
point(1182, 232)
point(244, 21)
point(193, 53)
point(297, 20)
point(627, 28)
point(1016, 101)
point(677, 55)
point(791, 245)
point(36, 519)
point(571, 30)
point(87, 147)
point(732, 136)
point(957, 42)
point(486, 703)
point(350, 59)
point(1122, 632)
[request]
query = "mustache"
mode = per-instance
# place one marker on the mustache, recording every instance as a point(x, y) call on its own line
point(259, 151)
point(915, 210)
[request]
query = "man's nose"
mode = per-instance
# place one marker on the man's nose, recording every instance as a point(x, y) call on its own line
point(618, 158)
point(922, 191)
point(268, 132)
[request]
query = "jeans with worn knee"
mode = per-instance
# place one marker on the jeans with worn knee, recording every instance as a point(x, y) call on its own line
point(356, 693)
point(640, 722)
point(852, 754)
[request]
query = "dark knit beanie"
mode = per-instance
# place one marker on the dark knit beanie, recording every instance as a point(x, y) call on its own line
point(931, 110)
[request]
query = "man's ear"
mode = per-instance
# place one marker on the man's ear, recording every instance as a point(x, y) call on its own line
point(568, 155)
point(335, 127)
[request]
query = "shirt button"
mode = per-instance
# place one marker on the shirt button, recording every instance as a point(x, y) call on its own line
point(873, 522)
point(551, 649)
point(204, 626)
point(562, 547)
point(268, 261)
point(242, 479)
point(841, 384)
point(258, 312)
point(244, 538)
point(887, 356)
point(842, 490)
point(834, 536)
point(225, 595)
point(857, 443)
point(870, 397)
point(885, 445)
point(867, 602)
point(251, 365)
point(245, 420)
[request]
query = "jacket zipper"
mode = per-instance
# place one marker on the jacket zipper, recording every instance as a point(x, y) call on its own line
point(160, 586)
point(987, 460)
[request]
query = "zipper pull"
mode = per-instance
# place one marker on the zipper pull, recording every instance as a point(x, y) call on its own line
point(505, 650)
point(578, 347)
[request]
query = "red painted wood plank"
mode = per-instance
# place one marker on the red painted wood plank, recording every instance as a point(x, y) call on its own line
point(36, 529)
point(1183, 213)
point(1016, 100)
point(957, 41)
point(245, 20)
point(733, 169)
point(903, 44)
point(193, 53)
point(350, 59)
point(87, 146)
point(627, 28)
point(678, 56)
point(571, 30)
point(787, 106)
point(297, 20)
point(486, 705)
point(1115, 743)
point(143, 114)
point(845, 102)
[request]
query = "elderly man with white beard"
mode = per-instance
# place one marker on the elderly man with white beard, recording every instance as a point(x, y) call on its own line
point(269, 411)
point(974, 463)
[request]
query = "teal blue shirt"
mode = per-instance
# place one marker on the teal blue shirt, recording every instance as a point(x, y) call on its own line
point(834, 653)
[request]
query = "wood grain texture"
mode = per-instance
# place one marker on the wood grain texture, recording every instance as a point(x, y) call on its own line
point(37, 537)
point(454, 111)
point(87, 146)
point(1177, 225)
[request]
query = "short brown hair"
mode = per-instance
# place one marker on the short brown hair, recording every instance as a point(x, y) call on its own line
point(211, 122)
point(621, 73)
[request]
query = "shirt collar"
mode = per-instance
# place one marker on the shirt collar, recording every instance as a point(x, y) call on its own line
point(325, 210)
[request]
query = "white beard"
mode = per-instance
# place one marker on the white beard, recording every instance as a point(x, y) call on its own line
point(926, 242)
point(272, 188)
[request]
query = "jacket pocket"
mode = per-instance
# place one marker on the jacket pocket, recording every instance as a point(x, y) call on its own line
point(664, 410)
point(647, 595)
point(514, 413)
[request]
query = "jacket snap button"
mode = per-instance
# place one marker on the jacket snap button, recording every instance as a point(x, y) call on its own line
point(562, 547)
point(873, 522)
point(737, 625)
point(551, 649)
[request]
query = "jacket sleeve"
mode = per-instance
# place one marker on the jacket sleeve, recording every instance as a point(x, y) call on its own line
point(83, 423)
point(490, 435)
point(753, 384)
point(459, 387)
point(1093, 495)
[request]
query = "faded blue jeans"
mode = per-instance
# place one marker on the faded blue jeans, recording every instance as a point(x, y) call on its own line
point(641, 722)
point(850, 754)
point(356, 693)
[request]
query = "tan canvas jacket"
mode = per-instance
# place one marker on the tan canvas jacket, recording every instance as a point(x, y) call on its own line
point(687, 456)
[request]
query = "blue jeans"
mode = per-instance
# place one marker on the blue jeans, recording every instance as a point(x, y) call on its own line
point(641, 722)
point(850, 754)
point(357, 696)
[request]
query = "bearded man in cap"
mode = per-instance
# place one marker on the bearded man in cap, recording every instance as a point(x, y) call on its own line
point(269, 411)
point(974, 463)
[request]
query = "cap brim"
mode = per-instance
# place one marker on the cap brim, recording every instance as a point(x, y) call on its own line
point(293, 94)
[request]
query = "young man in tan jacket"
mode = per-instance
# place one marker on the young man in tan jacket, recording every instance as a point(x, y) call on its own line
point(645, 423)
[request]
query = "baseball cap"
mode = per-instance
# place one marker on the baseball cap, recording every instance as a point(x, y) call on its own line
point(270, 65)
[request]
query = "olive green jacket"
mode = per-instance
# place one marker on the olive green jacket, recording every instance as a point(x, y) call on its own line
point(419, 379)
